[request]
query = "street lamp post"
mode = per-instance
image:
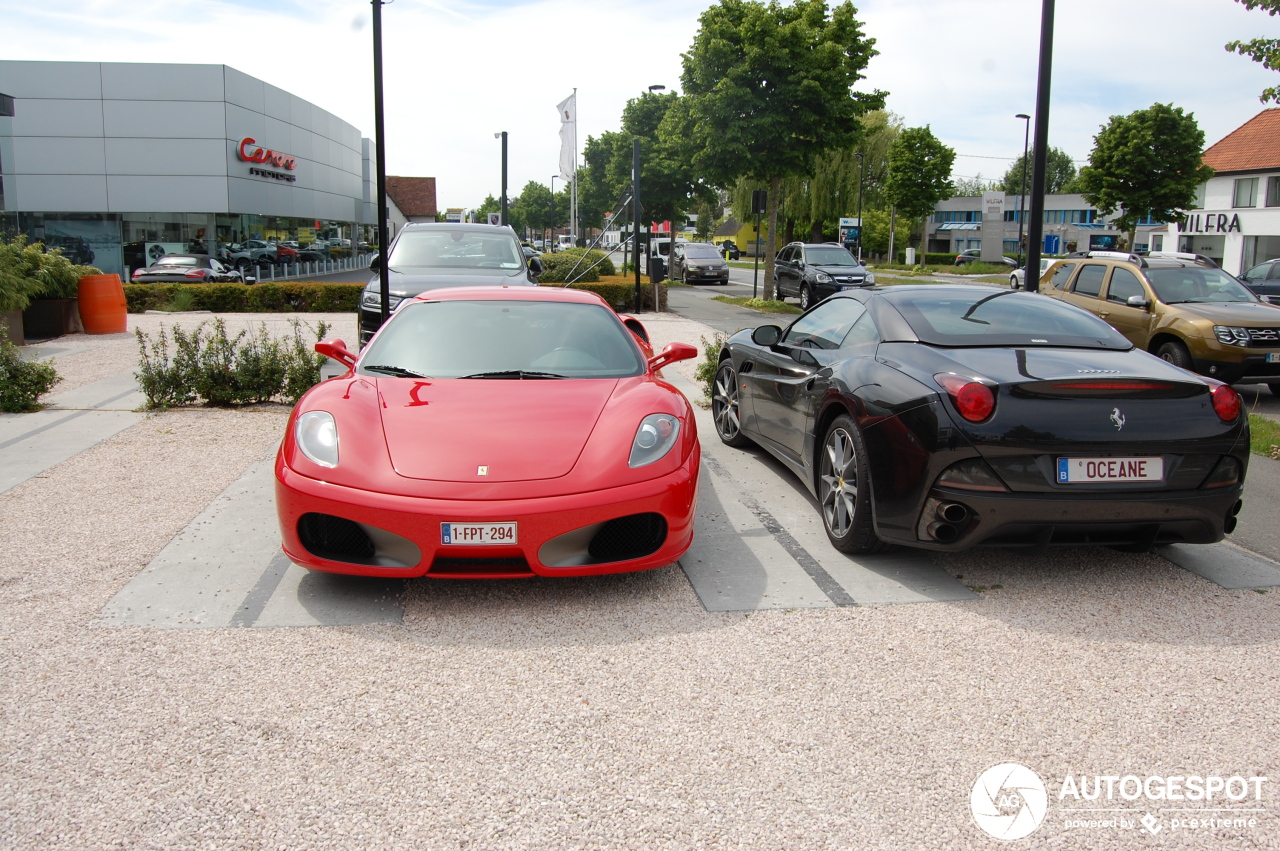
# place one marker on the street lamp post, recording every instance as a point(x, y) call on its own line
point(547, 247)
point(671, 247)
point(503, 136)
point(1022, 196)
point(380, 143)
point(862, 228)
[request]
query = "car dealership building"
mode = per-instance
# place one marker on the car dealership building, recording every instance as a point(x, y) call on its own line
point(128, 160)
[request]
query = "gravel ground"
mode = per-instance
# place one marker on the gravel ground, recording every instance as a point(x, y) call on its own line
point(605, 713)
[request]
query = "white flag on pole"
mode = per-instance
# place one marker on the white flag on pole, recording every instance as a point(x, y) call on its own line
point(568, 109)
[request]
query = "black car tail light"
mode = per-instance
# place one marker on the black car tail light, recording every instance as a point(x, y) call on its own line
point(972, 474)
point(1226, 403)
point(973, 399)
point(1225, 474)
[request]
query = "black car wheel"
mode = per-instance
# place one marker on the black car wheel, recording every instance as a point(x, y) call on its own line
point(842, 491)
point(1013, 282)
point(806, 298)
point(724, 406)
point(1175, 353)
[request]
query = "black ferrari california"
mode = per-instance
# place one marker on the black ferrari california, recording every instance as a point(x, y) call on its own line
point(945, 417)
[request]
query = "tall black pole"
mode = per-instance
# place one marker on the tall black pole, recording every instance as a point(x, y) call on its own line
point(1022, 196)
point(504, 179)
point(862, 229)
point(755, 272)
point(380, 142)
point(1035, 231)
point(550, 242)
point(635, 211)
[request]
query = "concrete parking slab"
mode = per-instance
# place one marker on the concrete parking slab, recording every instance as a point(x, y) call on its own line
point(75, 421)
point(760, 544)
point(1223, 564)
point(226, 570)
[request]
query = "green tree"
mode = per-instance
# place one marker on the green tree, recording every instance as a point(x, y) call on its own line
point(708, 221)
point(1150, 161)
point(533, 207)
point(490, 205)
point(976, 185)
point(1060, 173)
point(919, 173)
point(1265, 51)
point(769, 87)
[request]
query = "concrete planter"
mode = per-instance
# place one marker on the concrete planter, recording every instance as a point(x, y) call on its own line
point(50, 317)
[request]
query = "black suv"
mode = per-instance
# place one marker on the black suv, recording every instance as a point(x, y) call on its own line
point(811, 272)
point(1264, 280)
point(429, 255)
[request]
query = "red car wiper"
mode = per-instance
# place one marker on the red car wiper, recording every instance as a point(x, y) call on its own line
point(514, 373)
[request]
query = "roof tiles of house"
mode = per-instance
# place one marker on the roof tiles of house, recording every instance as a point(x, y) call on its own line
point(1253, 146)
point(415, 196)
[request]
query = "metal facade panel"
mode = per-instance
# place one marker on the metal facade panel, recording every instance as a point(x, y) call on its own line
point(66, 193)
point(243, 90)
point(252, 195)
point(243, 123)
point(190, 194)
point(205, 157)
point(151, 81)
point(277, 102)
point(52, 117)
point(54, 80)
point(165, 120)
point(57, 155)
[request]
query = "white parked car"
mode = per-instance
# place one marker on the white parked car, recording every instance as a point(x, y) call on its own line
point(1018, 277)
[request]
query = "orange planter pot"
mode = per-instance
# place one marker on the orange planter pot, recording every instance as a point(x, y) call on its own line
point(103, 308)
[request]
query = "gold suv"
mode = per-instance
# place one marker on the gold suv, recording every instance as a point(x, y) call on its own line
point(1181, 307)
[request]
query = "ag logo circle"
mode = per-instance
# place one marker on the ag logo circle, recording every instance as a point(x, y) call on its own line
point(1009, 801)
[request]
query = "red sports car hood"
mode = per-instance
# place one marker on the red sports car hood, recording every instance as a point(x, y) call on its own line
point(450, 430)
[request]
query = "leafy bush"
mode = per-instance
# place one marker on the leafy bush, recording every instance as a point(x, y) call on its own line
point(222, 370)
point(621, 295)
point(556, 269)
point(604, 266)
point(22, 382)
point(705, 374)
point(287, 297)
point(31, 272)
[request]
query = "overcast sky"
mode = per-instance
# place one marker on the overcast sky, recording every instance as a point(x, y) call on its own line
point(457, 71)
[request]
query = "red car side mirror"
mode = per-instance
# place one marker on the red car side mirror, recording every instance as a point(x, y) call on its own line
point(672, 353)
point(337, 350)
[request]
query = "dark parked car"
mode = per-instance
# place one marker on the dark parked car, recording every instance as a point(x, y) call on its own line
point(974, 255)
point(948, 416)
point(729, 250)
point(187, 269)
point(1264, 280)
point(699, 262)
point(428, 255)
point(811, 272)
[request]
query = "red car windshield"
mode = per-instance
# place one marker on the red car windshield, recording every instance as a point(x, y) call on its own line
point(503, 339)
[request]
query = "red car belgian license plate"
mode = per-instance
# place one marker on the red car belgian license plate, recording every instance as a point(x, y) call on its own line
point(472, 534)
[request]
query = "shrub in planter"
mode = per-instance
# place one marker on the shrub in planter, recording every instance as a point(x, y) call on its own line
point(285, 297)
point(22, 382)
point(556, 268)
point(604, 266)
point(210, 365)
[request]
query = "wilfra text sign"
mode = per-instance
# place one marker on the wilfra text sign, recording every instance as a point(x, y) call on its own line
point(1210, 223)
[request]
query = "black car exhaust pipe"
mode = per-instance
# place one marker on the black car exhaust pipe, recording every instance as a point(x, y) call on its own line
point(1235, 509)
point(1230, 525)
point(953, 512)
point(943, 533)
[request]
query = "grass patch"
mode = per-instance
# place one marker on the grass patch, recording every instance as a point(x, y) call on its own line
point(1264, 436)
point(758, 304)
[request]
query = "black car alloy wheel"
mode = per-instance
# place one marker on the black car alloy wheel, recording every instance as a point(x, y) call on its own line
point(724, 406)
point(845, 500)
point(805, 297)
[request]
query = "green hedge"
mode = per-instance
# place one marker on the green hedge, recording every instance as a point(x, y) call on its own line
point(287, 297)
point(623, 296)
point(556, 267)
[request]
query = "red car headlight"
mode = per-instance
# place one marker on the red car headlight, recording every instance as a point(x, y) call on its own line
point(317, 436)
point(654, 438)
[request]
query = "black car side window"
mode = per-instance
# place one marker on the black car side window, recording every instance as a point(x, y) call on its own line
point(1061, 275)
point(825, 326)
point(863, 331)
point(1089, 281)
